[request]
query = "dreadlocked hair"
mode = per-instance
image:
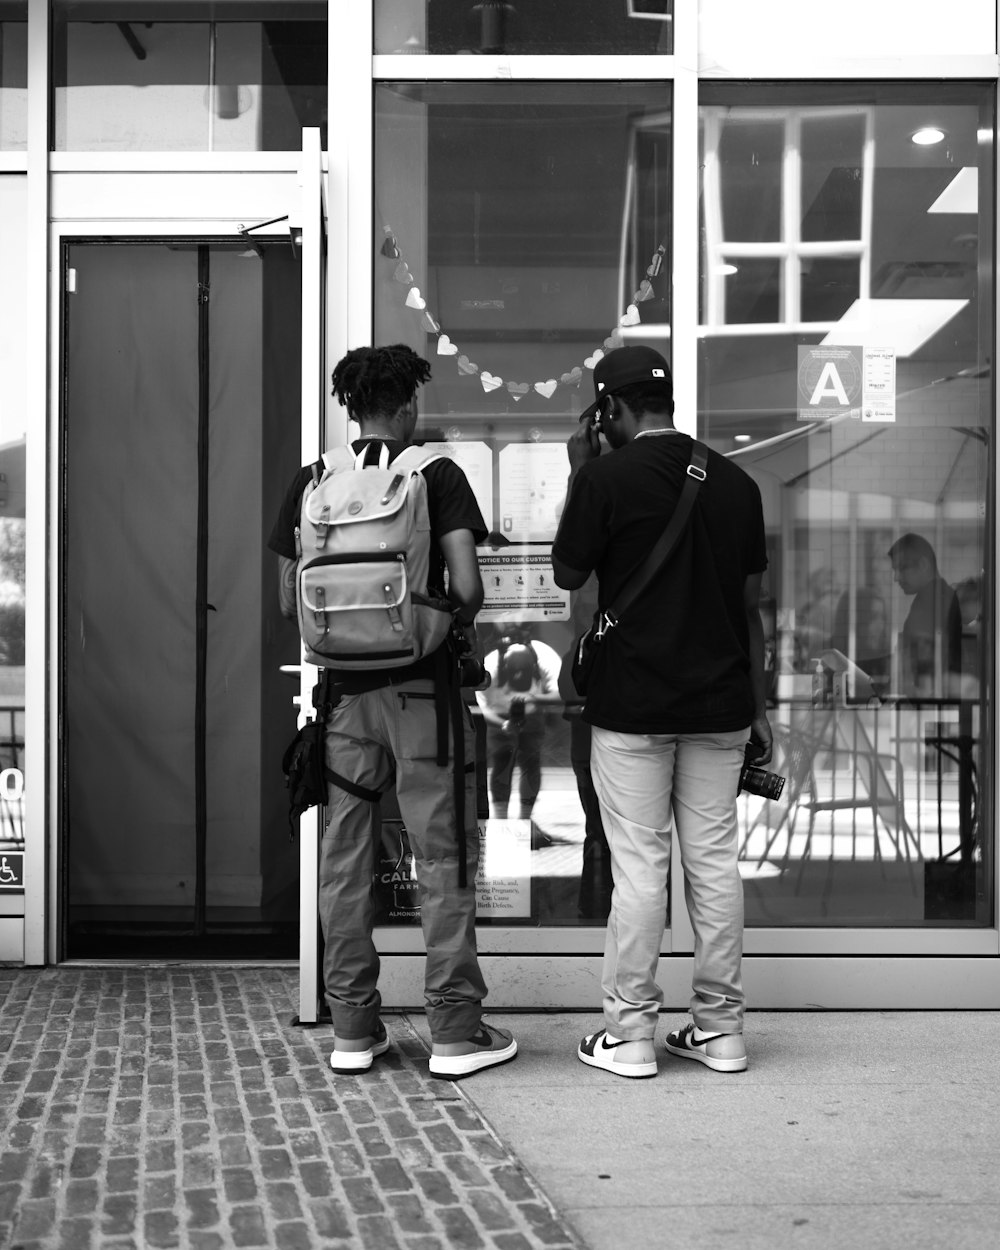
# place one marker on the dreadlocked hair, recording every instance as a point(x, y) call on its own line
point(375, 382)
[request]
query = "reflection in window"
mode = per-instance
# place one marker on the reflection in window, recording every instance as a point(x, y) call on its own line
point(13, 76)
point(521, 231)
point(159, 84)
point(13, 387)
point(541, 27)
point(788, 186)
point(845, 363)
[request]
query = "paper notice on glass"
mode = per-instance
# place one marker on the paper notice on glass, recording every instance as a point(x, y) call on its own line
point(878, 396)
point(519, 586)
point(476, 462)
point(503, 879)
point(532, 490)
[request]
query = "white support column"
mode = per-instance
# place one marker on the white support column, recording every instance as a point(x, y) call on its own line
point(684, 242)
point(313, 392)
point(349, 280)
point(41, 806)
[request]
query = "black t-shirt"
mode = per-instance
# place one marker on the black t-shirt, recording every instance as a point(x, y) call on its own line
point(679, 660)
point(451, 505)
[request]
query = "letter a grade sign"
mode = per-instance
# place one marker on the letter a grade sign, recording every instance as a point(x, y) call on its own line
point(830, 382)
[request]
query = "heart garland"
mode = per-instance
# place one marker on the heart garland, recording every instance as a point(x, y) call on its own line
point(490, 382)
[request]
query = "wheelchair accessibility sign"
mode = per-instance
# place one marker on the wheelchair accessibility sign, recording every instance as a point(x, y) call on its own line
point(12, 872)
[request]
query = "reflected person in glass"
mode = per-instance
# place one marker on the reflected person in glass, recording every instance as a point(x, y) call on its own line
point(524, 683)
point(931, 638)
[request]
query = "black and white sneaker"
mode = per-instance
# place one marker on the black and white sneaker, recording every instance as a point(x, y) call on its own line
point(597, 1050)
point(722, 1052)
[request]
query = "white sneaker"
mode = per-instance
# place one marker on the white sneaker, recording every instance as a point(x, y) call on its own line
point(356, 1055)
point(485, 1049)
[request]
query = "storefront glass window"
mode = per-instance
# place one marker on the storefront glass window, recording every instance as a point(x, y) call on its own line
point(210, 82)
point(845, 361)
point(543, 27)
point(521, 231)
point(13, 76)
point(13, 387)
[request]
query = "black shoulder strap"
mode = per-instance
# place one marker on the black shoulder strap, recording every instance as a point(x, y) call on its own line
point(643, 575)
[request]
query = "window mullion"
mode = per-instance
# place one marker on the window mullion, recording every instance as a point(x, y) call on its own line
point(791, 216)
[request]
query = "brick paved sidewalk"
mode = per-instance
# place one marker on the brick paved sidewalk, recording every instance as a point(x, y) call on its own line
point(167, 1106)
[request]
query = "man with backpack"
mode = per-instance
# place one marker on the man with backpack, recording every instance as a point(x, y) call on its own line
point(376, 613)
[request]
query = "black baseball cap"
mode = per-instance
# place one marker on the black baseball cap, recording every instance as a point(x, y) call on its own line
point(625, 366)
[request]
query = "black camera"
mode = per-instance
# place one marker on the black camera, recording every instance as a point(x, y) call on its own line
point(471, 669)
point(756, 780)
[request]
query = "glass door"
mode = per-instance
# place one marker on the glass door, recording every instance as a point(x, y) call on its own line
point(521, 231)
point(182, 368)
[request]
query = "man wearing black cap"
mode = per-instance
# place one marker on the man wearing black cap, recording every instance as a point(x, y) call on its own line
point(678, 691)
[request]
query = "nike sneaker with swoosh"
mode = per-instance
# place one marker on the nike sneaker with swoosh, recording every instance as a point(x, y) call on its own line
point(597, 1050)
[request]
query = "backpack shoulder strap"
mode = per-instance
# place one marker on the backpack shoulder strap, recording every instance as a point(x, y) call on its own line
point(417, 458)
point(338, 458)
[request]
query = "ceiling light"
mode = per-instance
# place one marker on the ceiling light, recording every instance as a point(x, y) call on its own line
point(927, 136)
point(742, 438)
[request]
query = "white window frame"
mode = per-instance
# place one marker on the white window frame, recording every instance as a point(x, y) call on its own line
point(790, 250)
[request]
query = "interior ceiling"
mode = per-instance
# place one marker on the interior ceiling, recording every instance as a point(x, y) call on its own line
point(749, 383)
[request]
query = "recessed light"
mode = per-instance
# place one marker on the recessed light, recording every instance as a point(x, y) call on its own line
point(927, 136)
point(742, 438)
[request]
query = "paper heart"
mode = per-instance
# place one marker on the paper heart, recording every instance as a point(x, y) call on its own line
point(613, 340)
point(402, 273)
point(518, 389)
point(490, 383)
point(631, 317)
point(546, 389)
point(645, 290)
point(446, 347)
point(428, 322)
point(465, 365)
point(591, 361)
point(573, 378)
point(654, 265)
point(389, 248)
point(414, 299)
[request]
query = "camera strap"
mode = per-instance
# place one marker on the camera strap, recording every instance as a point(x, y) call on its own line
point(695, 474)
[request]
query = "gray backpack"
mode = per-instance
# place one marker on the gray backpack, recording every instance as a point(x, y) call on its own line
point(363, 543)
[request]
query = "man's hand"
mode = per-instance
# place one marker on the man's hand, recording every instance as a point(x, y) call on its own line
point(584, 444)
point(761, 740)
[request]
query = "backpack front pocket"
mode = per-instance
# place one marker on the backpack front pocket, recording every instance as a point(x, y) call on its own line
point(354, 611)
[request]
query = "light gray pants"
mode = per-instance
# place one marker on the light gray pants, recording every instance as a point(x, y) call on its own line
point(649, 784)
point(373, 739)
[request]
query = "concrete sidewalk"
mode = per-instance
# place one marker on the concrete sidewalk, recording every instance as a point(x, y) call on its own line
point(876, 1129)
point(178, 1107)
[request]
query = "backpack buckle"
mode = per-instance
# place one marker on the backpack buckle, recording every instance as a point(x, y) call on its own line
point(323, 526)
point(319, 615)
point(395, 620)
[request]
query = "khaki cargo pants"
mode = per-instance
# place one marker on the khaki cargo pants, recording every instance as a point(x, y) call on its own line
point(373, 739)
